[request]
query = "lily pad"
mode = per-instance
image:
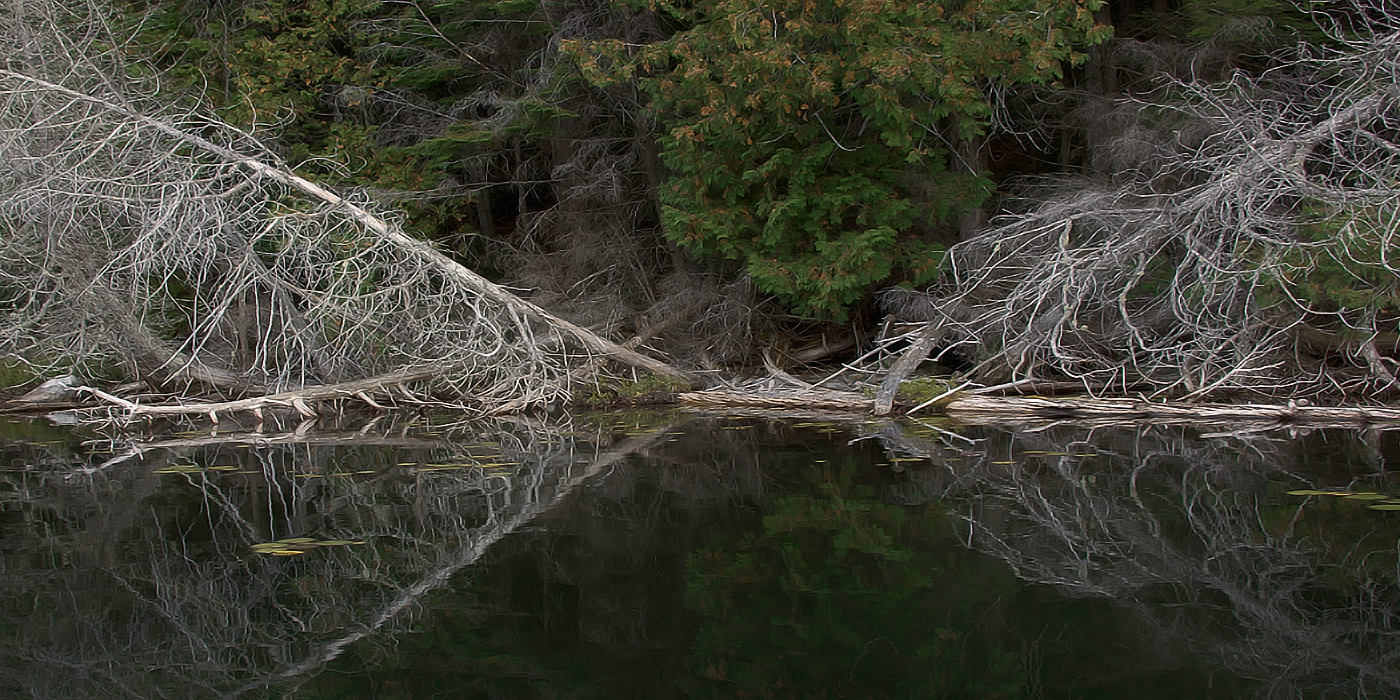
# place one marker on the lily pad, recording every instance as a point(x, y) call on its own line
point(180, 469)
point(298, 545)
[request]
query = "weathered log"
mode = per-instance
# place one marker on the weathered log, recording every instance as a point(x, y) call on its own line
point(816, 399)
point(980, 409)
point(298, 401)
point(971, 408)
point(903, 367)
point(820, 352)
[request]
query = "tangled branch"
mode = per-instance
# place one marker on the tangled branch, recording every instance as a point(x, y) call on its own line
point(180, 248)
point(1257, 254)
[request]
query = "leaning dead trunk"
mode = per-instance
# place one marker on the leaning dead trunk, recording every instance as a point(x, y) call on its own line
point(206, 259)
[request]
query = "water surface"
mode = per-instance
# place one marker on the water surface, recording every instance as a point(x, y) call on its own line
point(684, 556)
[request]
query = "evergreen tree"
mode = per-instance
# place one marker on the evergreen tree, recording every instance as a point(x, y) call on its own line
point(809, 141)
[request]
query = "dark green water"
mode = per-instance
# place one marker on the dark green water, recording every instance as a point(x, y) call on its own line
point(671, 556)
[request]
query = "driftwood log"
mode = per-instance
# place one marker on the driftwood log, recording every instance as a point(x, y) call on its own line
point(301, 401)
point(972, 408)
point(785, 397)
point(992, 409)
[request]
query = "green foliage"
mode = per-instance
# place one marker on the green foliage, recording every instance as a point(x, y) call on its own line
point(15, 373)
point(799, 133)
point(452, 656)
point(863, 599)
point(1264, 23)
point(263, 63)
point(649, 387)
point(920, 389)
point(1345, 264)
point(357, 90)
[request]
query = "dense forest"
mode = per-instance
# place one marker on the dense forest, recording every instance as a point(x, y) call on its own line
point(1178, 198)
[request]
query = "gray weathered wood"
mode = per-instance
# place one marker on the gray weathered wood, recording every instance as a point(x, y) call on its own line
point(903, 367)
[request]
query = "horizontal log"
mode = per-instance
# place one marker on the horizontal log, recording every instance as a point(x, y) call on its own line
point(781, 398)
point(291, 400)
point(974, 408)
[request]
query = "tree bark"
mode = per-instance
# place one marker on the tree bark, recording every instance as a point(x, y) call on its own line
point(903, 367)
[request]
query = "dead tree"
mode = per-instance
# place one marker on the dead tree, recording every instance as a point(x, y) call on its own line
point(182, 249)
point(1214, 265)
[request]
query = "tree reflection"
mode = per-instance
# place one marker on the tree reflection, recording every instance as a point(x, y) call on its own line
point(841, 595)
point(1195, 536)
point(139, 573)
point(811, 568)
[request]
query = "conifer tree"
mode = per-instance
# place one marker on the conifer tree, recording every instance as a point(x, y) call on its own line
point(809, 140)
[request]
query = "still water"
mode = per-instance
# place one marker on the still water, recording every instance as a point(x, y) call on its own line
point(690, 556)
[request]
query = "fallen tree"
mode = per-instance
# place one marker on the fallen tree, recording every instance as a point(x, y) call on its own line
point(1248, 246)
point(181, 250)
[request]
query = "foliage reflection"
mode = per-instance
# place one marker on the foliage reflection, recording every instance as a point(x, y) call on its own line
point(842, 595)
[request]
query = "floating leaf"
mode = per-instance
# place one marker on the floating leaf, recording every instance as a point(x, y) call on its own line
point(1367, 496)
point(298, 545)
point(179, 469)
point(1307, 492)
point(1385, 506)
